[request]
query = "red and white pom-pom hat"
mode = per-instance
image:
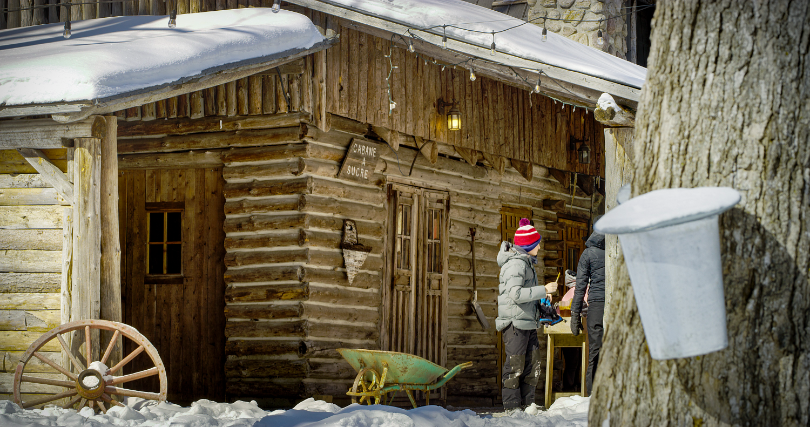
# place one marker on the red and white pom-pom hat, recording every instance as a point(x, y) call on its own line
point(526, 235)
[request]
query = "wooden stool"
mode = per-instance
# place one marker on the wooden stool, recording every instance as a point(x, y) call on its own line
point(560, 335)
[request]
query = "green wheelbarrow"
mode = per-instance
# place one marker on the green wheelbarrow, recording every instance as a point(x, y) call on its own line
point(382, 372)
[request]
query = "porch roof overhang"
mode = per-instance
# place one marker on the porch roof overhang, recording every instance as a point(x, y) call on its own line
point(112, 64)
point(564, 68)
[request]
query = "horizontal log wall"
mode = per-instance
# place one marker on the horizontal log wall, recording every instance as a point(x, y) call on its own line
point(288, 301)
point(31, 217)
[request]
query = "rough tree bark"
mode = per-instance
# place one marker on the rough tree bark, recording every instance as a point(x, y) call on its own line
point(726, 104)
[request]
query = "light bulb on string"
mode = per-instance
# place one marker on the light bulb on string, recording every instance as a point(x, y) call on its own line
point(545, 32)
point(492, 47)
point(276, 6)
point(173, 19)
point(66, 34)
point(444, 38)
point(411, 49)
point(537, 85)
point(599, 39)
point(472, 74)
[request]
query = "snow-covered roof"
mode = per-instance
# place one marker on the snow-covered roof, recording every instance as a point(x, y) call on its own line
point(523, 41)
point(107, 58)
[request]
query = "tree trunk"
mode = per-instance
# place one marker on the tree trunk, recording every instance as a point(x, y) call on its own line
point(725, 104)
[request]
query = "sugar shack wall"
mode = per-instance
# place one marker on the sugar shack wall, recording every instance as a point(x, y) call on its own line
point(31, 220)
point(288, 302)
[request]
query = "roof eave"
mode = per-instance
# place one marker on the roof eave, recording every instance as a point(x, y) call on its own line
point(74, 111)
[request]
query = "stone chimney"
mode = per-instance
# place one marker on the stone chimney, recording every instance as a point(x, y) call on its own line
point(575, 19)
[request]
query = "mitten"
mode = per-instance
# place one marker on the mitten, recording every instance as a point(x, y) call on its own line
point(576, 324)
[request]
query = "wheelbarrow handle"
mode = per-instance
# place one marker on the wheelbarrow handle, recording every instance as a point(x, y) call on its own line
point(450, 374)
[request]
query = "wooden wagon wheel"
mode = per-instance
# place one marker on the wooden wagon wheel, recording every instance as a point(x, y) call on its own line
point(372, 388)
point(88, 387)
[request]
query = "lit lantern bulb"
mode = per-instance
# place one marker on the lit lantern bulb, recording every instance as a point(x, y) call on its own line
point(472, 74)
point(410, 46)
point(545, 35)
point(599, 39)
point(537, 87)
point(66, 33)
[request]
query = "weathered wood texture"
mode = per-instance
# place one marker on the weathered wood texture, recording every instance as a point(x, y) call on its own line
point(721, 110)
point(184, 321)
point(285, 276)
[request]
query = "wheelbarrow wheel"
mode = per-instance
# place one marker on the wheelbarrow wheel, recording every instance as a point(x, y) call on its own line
point(367, 389)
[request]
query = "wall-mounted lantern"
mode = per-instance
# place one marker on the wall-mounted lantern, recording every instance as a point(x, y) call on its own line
point(584, 154)
point(453, 116)
point(671, 244)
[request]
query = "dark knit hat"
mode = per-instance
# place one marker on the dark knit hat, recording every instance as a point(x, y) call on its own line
point(526, 236)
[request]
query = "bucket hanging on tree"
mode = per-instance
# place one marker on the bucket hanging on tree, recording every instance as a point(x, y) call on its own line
point(671, 244)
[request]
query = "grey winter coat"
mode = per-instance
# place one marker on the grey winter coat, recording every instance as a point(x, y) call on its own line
point(519, 290)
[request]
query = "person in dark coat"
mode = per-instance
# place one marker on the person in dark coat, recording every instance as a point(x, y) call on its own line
point(591, 271)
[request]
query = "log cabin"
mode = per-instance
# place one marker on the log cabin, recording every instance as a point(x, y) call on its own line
point(220, 201)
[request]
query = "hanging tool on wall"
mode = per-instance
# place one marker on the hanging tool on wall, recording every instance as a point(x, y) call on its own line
point(482, 319)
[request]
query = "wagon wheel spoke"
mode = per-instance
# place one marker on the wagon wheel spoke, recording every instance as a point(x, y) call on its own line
point(131, 393)
point(87, 347)
point(106, 397)
point(127, 359)
point(50, 363)
point(113, 340)
point(72, 402)
point(50, 398)
point(134, 376)
point(71, 356)
point(101, 405)
point(47, 381)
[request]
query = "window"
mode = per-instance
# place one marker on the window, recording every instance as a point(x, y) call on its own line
point(164, 248)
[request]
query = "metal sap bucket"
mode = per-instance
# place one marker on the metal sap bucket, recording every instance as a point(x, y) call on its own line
point(671, 244)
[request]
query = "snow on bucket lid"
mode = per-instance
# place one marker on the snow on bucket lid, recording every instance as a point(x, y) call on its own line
point(661, 208)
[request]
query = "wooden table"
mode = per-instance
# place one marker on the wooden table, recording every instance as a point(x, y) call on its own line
point(560, 335)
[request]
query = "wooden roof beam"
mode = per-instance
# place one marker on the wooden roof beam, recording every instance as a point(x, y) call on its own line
point(46, 133)
point(611, 114)
point(49, 172)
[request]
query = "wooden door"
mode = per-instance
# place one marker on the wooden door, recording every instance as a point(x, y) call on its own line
point(575, 233)
point(172, 274)
point(416, 301)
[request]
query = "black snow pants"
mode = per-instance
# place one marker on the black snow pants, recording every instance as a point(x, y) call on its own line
point(521, 369)
point(596, 312)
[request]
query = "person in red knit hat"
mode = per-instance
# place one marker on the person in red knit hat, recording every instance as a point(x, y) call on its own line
point(518, 315)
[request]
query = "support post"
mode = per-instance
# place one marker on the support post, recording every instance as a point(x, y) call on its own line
point(85, 292)
point(110, 264)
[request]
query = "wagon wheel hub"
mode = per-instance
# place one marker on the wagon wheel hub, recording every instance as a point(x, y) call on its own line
point(90, 388)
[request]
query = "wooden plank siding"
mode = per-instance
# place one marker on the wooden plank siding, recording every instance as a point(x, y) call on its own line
point(30, 265)
point(184, 320)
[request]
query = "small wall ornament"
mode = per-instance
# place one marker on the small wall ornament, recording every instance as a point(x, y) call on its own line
point(354, 254)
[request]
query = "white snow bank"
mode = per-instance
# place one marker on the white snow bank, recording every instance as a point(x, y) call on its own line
point(523, 41)
point(112, 56)
point(571, 411)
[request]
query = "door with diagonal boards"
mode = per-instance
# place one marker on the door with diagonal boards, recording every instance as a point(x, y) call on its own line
point(415, 309)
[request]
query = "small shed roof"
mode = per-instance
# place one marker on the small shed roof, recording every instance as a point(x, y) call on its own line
point(109, 62)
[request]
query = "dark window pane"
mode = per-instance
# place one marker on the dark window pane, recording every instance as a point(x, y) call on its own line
point(155, 259)
point(406, 254)
point(430, 258)
point(439, 258)
point(398, 253)
point(174, 227)
point(156, 226)
point(174, 261)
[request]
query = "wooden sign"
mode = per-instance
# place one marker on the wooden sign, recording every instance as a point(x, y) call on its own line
point(360, 161)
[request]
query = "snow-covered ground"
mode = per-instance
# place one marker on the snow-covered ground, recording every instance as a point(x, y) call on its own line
point(572, 411)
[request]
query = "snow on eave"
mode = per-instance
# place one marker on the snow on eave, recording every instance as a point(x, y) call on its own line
point(560, 58)
point(115, 63)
